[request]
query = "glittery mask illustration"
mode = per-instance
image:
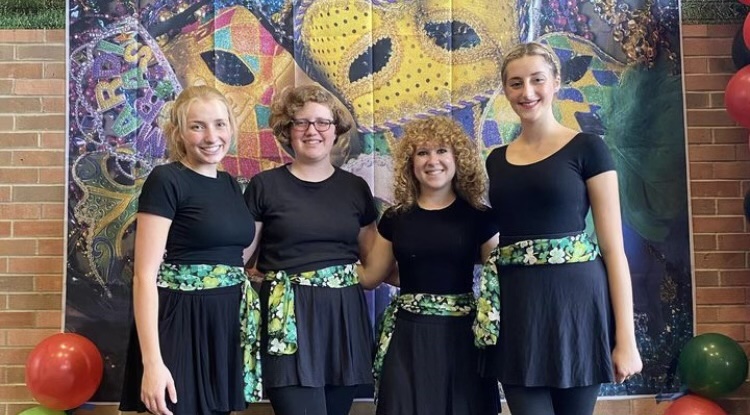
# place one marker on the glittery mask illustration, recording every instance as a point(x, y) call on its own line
point(393, 62)
point(236, 54)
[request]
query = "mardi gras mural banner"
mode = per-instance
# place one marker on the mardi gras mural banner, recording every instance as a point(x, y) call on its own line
point(389, 62)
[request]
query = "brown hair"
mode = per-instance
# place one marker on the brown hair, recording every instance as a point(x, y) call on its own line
point(175, 124)
point(292, 99)
point(470, 181)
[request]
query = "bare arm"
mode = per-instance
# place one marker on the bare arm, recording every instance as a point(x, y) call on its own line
point(379, 264)
point(605, 205)
point(150, 242)
point(488, 246)
point(250, 254)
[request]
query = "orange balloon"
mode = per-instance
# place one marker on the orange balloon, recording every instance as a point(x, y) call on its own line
point(694, 405)
point(64, 370)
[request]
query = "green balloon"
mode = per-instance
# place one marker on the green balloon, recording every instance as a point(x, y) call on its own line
point(712, 365)
point(41, 410)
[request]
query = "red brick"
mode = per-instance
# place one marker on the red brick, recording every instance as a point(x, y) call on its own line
point(712, 82)
point(53, 104)
point(732, 170)
point(717, 152)
point(17, 247)
point(706, 278)
point(54, 70)
point(53, 211)
point(16, 356)
point(21, 70)
point(40, 87)
point(17, 319)
point(704, 242)
point(39, 228)
point(34, 302)
point(706, 314)
point(733, 314)
point(716, 100)
point(697, 135)
point(697, 100)
point(734, 242)
point(693, 65)
point(709, 224)
point(730, 207)
point(21, 36)
point(735, 331)
point(49, 283)
point(709, 118)
point(7, 53)
point(54, 122)
point(741, 152)
point(733, 278)
point(16, 140)
point(38, 158)
point(28, 337)
point(14, 393)
point(706, 46)
point(52, 140)
point(719, 260)
point(5, 229)
point(721, 65)
point(20, 105)
point(16, 175)
point(694, 30)
point(722, 30)
point(7, 122)
point(6, 86)
point(15, 374)
point(51, 176)
point(50, 246)
point(716, 296)
point(19, 211)
point(703, 206)
point(40, 52)
point(38, 193)
point(702, 170)
point(55, 35)
point(730, 135)
point(49, 319)
point(712, 188)
point(35, 265)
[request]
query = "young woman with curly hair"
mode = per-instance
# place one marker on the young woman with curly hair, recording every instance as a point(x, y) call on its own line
point(437, 230)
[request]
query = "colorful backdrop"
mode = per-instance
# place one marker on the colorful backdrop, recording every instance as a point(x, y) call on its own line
point(389, 62)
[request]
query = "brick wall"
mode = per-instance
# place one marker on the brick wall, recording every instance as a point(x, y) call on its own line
point(32, 143)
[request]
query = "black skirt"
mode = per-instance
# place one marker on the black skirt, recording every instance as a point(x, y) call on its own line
point(432, 368)
point(556, 326)
point(199, 337)
point(334, 339)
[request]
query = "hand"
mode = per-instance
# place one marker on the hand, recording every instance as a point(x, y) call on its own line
point(626, 361)
point(254, 275)
point(155, 381)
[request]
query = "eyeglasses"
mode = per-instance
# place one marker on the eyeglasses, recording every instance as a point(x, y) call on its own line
point(320, 125)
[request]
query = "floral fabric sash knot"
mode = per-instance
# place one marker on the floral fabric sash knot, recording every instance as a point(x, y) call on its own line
point(204, 277)
point(425, 304)
point(282, 322)
point(568, 249)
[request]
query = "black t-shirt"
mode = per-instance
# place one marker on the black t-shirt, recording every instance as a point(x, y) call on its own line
point(436, 249)
point(547, 197)
point(210, 222)
point(308, 225)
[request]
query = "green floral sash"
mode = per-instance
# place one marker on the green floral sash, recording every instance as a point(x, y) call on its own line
point(282, 322)
point(203, 277)
point(425, 304)
point(568, 249)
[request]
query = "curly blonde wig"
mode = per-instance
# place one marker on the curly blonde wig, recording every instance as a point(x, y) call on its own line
point(470, 181)
point(292, 99)
point(531, 49)
point(176, 123)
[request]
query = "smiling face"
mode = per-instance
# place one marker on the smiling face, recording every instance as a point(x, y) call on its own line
point(309, 144)
point(206, 135)
point(434, 167)
point(530, 84)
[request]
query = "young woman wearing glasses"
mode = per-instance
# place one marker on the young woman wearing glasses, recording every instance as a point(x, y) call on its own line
point(313, 222)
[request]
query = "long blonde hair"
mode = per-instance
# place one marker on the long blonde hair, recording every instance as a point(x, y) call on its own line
point(176, 123)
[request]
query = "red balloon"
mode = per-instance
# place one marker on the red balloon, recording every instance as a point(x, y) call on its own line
point(64, 370)
point(745, 2)
point(746, 30)
point(737, 96)
point(694, 405)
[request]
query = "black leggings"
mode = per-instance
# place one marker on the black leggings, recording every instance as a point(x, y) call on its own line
point(524, 400)
point(299, 400)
